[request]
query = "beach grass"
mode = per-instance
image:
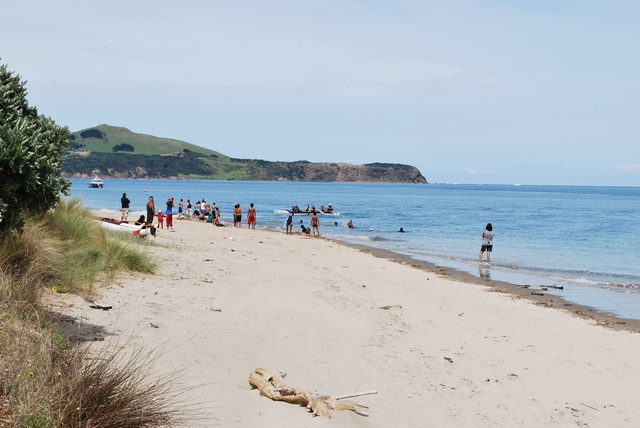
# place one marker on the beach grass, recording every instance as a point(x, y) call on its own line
point(89, 252)
point(45, 380)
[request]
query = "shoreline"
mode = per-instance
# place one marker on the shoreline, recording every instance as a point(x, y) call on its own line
point(82, 176)
point(535, 295)
point(608, 284)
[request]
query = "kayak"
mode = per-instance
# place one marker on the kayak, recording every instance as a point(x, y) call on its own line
point(287, 212)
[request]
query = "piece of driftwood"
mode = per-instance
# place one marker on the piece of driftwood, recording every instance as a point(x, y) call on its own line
point(271, 385)
point(544, 287)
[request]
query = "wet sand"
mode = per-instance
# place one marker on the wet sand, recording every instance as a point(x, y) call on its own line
point(533, 292)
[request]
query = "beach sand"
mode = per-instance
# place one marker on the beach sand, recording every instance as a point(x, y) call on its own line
point(440, 349)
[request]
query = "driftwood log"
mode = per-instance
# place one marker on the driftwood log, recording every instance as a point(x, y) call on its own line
point(271, 385)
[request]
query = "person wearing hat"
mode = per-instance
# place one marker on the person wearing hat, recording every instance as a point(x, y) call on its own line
point(124, 201)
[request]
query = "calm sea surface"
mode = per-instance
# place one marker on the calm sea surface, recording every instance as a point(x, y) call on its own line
point(586, 239)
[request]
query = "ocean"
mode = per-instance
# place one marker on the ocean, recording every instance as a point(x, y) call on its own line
point(585, 239)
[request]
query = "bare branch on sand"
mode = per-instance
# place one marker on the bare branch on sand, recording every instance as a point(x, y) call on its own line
point(271, 385)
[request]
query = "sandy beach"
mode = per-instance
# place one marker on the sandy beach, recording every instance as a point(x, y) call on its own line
point(442, 350)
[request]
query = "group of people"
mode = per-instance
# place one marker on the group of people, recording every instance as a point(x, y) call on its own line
point(201, 211)
point(251, 216)
point(211, 214)
point(159, 215)
point(314, 230)
point(312, 209)
point(145, 223)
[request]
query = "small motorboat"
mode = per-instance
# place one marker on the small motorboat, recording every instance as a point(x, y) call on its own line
point(96, 183)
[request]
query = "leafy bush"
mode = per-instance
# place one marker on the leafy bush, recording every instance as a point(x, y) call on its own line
point(76, 146)
point(30, 150)
point(93, 133)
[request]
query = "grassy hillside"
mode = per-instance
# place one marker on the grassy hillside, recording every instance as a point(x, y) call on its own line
point(113, 152)
point(103, 138)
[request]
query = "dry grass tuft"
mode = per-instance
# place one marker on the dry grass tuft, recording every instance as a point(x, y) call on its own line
point(27, 265)
point(110, 389)
point(90, 253)
point(43, 381)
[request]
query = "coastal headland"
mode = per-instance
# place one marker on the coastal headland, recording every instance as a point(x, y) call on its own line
point(116, 152)
point(442, 349)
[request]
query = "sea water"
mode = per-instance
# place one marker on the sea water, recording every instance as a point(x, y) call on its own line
point(584, 239)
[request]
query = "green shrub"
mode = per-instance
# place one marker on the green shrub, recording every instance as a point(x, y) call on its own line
point(30, 149)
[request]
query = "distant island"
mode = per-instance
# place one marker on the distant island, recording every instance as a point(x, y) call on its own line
point(116, 152)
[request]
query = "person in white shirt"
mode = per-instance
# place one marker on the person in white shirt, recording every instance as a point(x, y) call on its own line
point(487, 242)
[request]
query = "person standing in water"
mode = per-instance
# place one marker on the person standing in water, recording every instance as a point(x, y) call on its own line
point(315, 225)
point(251, 217)
point(487, 242)
point(237, 216)
point(290, 225)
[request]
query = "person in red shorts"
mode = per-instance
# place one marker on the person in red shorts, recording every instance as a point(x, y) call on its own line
point(160, 218)
point(251, 217)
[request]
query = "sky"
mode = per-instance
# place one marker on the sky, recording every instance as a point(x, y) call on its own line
point(468, 91)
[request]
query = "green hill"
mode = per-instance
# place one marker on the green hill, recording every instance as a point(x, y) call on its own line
point(103, 139)
point(114, 152)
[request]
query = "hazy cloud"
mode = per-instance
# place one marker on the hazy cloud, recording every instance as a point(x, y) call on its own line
point(634, 168)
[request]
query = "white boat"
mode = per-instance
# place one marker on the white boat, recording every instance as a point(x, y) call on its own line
point(136, 229)
point(119, 227)
point(294, 213)
point(96, 183)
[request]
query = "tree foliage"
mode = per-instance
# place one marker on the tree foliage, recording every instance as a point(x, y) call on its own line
point(30, 150)
point(93, 133)
point(124, 147)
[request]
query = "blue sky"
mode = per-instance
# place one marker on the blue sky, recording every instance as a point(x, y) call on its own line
point(469, 91)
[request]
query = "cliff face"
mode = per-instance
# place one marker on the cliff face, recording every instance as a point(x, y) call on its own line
point(370, 173)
